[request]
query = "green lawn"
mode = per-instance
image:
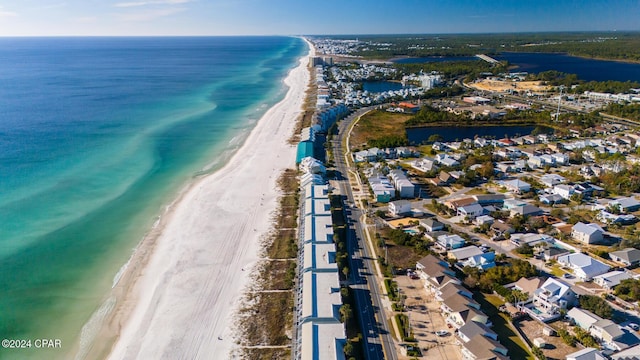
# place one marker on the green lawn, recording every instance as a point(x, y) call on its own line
point(557, 271)
point(502, 326)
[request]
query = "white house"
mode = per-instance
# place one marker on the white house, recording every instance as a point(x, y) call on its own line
point(431, 224)
point(450, 241)
point(564, 190)
point(553, 296)
point(584, 266)
point(583, 318)
point(560, 158)
point(399, 207)
point(611, 279)
point(462, 254)
point(587, 233)
point(425, 164)
point(517, 186)
point(626, 205)
point(551, 180)
point(471, 210)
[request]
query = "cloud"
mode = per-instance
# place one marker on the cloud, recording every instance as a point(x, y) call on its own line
point(151, 2)
point(150, 14)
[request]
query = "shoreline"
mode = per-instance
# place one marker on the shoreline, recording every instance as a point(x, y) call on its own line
point(179, 291)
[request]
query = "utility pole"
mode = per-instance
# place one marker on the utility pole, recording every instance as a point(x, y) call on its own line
point(559, 99)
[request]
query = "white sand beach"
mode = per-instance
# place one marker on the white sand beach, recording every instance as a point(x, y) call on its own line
point(183, 298)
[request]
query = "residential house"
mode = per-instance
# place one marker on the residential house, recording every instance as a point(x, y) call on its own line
point(552, 199)
point(551, 180)
point(553, 253)
point(611, 279)
point(527, 286)
point(586, 354)
point(450, 242)
point(606, 331)
point(467, 331)
point(583, 318)
point(509, 204)
point(587, 233)
point(431, 224)
point(458, 310)
point(628, 256)
point(631, 353)
point(442, 179)
point(560, 158)
point(564, 190)
point(484, 219)
point(426, 164)
point(482, 261)
point(483, 348)
point(381, 187)
point(471, 211)
point(435, 272)
point(553, 296)
point(626, 205)
point(451, 289)
point(400, 207)
point(517, 186)
point(463, 253)
point(526, 210)
point(405, 188)
point(500, 227)
point(584, 266)
point(459, 202)
point(490, 199)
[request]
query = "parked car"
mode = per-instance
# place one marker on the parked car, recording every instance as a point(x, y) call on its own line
point(442, 332)
point(634, 326)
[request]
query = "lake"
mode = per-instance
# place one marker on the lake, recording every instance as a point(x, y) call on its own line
point(586, 69)
point(381, 86)
point(457, 133)
point(428, 59)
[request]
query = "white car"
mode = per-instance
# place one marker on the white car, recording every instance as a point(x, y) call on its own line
point(442, 332)
point(634, 326)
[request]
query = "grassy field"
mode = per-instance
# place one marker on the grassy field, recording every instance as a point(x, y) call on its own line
point(502, 326)
point(377, 124)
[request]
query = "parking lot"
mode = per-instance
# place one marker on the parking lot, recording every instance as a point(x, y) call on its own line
point(426, 319)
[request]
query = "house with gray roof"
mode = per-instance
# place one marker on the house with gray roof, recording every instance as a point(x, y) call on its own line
point(584, 266)
point(469, 330)
point(611, 279)
point(587, 233)
point(586, 354)
point(583, 318)
point(431, 224)
point(553, 296)
point(626, 204)
point(628, 256)
point(483, 348)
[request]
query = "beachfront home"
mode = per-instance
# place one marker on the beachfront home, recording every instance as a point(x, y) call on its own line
point(319, 340)
point(628, 256)
point(611, 279)
point(584, 266)
point(313, 166)
point(587, 233)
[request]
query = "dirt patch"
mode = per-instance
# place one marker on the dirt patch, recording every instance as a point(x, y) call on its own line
point(503, 86)
point(555, 349)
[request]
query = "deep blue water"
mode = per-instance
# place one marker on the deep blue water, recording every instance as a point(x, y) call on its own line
point(428, 59)
point(97, 135)
point(458, 133)
point(381, 86)
point(586, 69)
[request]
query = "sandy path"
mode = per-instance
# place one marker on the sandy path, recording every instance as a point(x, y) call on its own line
point(185, 295)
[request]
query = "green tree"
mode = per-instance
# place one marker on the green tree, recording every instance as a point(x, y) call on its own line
point(596, 305)
point(346, 313)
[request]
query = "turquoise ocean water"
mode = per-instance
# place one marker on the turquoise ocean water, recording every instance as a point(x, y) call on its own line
point(97, 136)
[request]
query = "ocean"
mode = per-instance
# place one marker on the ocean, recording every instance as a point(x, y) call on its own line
point(97, 136)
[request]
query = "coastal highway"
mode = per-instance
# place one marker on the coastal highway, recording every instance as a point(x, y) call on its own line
point(377, 339)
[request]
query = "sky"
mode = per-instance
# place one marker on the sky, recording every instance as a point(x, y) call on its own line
point(303, 17)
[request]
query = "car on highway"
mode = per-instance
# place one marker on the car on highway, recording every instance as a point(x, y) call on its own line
point(442, 333)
